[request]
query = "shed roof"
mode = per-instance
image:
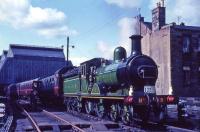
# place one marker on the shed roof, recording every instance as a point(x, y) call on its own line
point(27, 50)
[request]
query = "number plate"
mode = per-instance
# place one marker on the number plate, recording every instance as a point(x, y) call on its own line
point(149, 89)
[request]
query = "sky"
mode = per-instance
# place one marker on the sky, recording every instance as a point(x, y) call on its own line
point(95, 27)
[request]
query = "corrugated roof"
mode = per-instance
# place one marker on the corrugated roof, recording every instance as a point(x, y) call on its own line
point(21, 46)
point(26, 50)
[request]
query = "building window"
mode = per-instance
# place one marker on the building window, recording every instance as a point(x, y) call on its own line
point(186, 44)
point(186, 72)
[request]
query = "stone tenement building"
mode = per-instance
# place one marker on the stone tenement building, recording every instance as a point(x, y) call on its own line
point(176, 50)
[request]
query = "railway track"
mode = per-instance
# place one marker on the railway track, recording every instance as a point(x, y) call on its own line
point(137, 125)
point(177, 129)
point(72, 121)
point(81, 122)
point(115, 126)
point(62, 121)
point(47, 123)
point(32, 121)
point(152, 126)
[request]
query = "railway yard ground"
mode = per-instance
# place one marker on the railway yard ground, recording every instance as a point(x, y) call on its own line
point(47, 123)
point(56, 120)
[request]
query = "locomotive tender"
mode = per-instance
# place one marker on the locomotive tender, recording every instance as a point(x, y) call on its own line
point(123, 88)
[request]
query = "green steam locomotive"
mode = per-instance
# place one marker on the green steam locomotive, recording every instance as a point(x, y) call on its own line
point(123, 88)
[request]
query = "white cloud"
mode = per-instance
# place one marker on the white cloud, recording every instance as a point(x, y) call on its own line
point(77, 60)
point(105, 49)
point(45, 21)
point(58, 32)
point(46, 17)
point(188, 10)
point(128, 27)
point(126, 3)
point(12, 11)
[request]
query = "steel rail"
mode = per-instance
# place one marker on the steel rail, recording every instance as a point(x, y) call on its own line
point(173, 128)
point(63, 120)
point(34, 124)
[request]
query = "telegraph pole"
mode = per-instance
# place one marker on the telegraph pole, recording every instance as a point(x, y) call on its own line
point(67, 49)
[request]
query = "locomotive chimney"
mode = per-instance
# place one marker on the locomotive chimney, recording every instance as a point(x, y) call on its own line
point(136, 44)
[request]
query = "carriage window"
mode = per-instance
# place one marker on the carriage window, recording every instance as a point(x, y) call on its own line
point(186, 44)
